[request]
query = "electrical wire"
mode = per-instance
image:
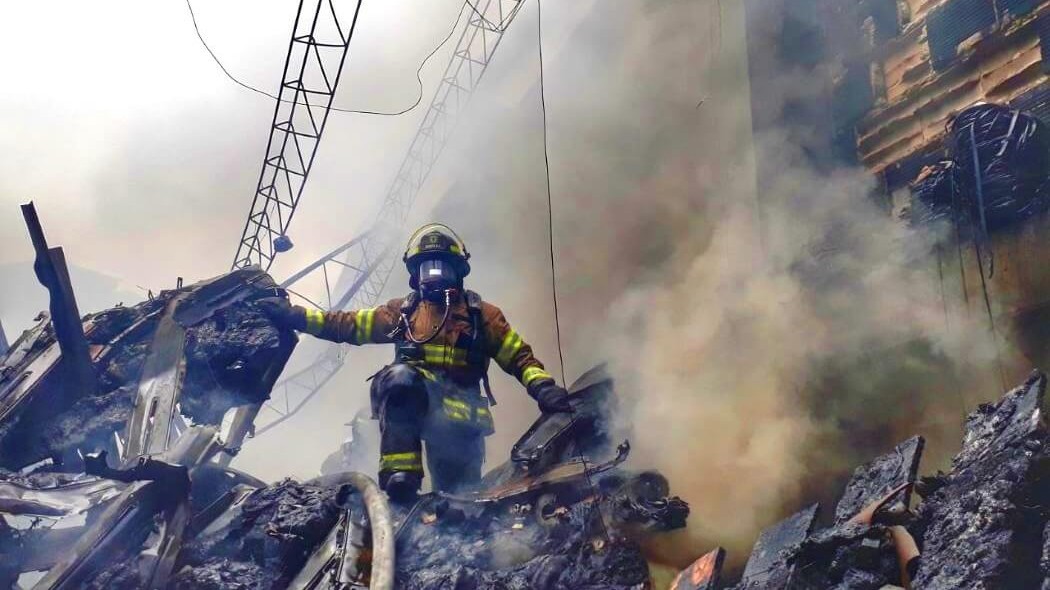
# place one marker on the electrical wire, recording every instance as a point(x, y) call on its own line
point(550, 239)
point(419, 71)
point(550, 206)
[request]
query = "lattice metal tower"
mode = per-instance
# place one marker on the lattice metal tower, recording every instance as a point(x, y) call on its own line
point(316, 54)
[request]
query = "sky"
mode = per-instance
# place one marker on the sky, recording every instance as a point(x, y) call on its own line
point(142, 157)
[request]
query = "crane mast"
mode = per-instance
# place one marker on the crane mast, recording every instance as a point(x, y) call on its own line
point(316, 53)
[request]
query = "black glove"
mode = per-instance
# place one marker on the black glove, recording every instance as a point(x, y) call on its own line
point(282, 313)
point(551, 397)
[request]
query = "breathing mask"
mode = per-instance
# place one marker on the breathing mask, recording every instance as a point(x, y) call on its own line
point(437, 276)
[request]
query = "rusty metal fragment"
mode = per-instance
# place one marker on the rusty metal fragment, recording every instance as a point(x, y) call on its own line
point(703, 574)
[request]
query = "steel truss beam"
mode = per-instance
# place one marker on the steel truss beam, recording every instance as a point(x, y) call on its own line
point(316, 54)
point(366, 260)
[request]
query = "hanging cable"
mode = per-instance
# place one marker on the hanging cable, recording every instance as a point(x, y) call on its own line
point(991, 316)
point(419, 71)
point(948, 330)
point(550, 206)
point(550, 239)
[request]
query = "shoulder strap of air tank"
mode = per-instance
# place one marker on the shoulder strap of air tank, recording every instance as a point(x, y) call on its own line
point(409, 304)
point(477, 345)
point(473, 301)
point(476, 320)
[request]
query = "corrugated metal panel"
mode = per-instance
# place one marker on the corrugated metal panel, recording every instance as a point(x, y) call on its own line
point(1035, 101)
point(1017, 7)
point(952, 23)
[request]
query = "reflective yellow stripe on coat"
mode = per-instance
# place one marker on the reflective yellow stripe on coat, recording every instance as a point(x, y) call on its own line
point(531, 374)
point(314, 321)
point(364, 320)
point(512, 343)
point(441, 355)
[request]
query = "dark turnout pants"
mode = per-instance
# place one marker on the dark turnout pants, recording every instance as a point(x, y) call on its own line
point(401, 401)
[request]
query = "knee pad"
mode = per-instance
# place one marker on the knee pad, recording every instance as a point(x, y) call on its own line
point(399, 392)
point(400, 375)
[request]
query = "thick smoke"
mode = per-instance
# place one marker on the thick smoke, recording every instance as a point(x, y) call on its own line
point(760, 362)
point(764, 377)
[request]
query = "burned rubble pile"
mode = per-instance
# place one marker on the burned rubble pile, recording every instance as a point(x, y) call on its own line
point(231, 354)
point(96, 466)
point(159, 507)
point(984, 524)
point(122, 482)
point(262, 540)
point(120, 479)
point(546, 518)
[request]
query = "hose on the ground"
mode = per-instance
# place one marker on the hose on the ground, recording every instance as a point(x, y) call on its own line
point(381, 520)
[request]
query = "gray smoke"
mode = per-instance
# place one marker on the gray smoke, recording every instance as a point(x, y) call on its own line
point(759, 366)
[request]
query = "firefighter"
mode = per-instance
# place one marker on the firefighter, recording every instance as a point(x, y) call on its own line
point(436, 390)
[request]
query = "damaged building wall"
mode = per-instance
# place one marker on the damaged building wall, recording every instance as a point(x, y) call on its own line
point(927, 61)
point(948, 56)
point(997, 64)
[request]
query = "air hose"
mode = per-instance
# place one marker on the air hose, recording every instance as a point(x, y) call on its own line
point(381, 520)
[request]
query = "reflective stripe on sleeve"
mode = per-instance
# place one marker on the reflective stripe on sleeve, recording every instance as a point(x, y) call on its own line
point(411, 461)
point(314, 322)
point(511, 345)
point(364, 320)
point(533, 373)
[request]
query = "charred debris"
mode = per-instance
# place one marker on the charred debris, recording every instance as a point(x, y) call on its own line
point(117, 429)
point(116, 432)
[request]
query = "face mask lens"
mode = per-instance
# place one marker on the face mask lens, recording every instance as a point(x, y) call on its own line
point(436, 275)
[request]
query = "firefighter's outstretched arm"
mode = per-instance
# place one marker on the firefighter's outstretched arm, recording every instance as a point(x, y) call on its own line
point(363, 326)
point(515, 356)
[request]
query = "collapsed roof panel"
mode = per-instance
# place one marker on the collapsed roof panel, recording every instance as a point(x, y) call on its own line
point(873, 480)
